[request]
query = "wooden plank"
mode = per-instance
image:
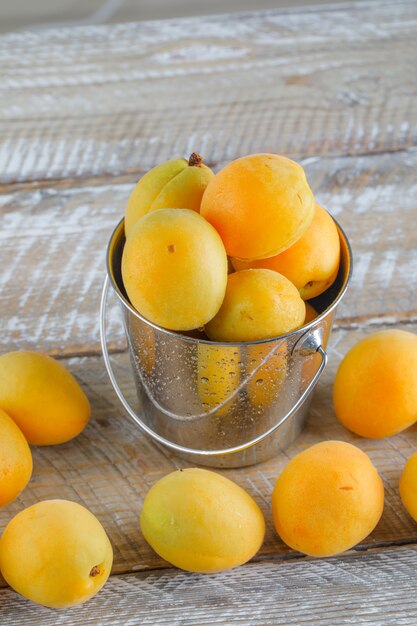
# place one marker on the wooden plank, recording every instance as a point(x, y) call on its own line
point(97, 100)
point(354, 589)
point(110, 467)
point(53, 242)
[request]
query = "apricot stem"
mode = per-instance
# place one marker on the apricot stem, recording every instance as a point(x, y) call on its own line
point(195, 160)
point(95, 570)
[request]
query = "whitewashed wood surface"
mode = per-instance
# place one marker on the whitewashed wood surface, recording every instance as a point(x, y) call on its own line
point(83, 112)
point(80, 102)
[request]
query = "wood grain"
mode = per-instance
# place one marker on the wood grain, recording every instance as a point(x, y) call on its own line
point(53, 242)
point(89, 101)
point(110, 467)
point(354, 589)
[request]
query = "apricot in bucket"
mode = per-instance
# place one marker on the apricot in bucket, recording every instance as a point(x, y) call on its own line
point(260, 204)
point(175, 184)
point(259, 304)
point(312, 262)
point(174, 269)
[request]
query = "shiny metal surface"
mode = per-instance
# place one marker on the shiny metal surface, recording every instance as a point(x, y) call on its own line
point(221, 404)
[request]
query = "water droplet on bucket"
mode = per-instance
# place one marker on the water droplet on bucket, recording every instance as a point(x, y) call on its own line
point(204, 380)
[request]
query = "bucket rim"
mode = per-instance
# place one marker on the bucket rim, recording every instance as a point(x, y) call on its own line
point(196, 340)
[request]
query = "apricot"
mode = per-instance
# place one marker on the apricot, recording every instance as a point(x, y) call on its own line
point(15, 460)
point(270, 363)
point(144, 343)
point(55, 553)
point(312, 262)
point(311, 313)
point(328, 498)
point(175, 184)
point(260, 204)
point(201, 521)
point(174, 269)
point(375, 389)
point(42, 397)
point(218, 375)
point(408, 486)
point(259, 304)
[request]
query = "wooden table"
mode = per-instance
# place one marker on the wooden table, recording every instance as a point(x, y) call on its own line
point(84, 112)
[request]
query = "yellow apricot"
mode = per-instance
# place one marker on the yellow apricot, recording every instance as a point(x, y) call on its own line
point(175, 184)
point(144, 344)
point(327, 499)
point(42, 397)
point(312, 262)
point(260, 204)
point(15, 460)
point(311, 313)
point(408, 486)
point(201, 521)
point(375, 389)
point(264, 386)
point(55, 553)
point(174, 269)
point(218, 375)
point(259, 304)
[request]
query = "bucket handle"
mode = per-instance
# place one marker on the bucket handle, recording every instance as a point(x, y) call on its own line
point(308, 344)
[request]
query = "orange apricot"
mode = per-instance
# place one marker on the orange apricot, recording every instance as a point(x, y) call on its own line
point(328, 498)
point(260, 204)
point(408, 486)
point(270, 363)
point(15, 460)
point(311, 313)
point(259, 304)
point(375, 389)
point(312, 262)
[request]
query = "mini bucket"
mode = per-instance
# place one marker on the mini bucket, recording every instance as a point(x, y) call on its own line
point(221, 404)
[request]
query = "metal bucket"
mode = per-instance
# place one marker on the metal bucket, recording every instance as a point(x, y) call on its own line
point(221, 404)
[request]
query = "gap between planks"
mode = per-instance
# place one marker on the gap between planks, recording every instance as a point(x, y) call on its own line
point(162, 568)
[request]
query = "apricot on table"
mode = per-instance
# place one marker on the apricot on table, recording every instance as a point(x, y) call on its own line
point(327, 499)
point(375, 389)
point(42, 397)
point(55, 553)
point(312, 262)
point(200, 521)
point(408, 486)
point(15, 460)
point(260, 204)
point(175, 184)
point(259, 304)
point(174, 269)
